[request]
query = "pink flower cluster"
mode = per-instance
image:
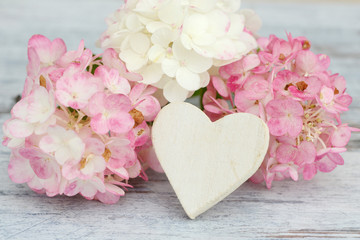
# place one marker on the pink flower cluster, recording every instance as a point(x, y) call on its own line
point(81, 125)
point(291, 89)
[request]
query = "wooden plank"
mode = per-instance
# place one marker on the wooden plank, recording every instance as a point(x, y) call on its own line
point(331, 27)
point(326, 207)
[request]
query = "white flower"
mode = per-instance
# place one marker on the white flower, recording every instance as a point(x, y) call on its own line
point(176, 41)
point(186, 66)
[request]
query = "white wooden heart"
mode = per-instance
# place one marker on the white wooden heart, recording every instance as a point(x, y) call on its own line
point(206, 161)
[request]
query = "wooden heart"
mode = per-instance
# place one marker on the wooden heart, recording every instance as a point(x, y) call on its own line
point(206, 161)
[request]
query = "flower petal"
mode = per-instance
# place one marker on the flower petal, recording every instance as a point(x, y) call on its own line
point(187, 79)
point(173, 92)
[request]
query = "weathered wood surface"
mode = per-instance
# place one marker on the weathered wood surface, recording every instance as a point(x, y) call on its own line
point(326, 207)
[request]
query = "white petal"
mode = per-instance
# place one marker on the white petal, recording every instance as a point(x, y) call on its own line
point(197, 63)
point(205, 39)
point(219, 23)
point(203, 5)
point(204, 79)
point(153, 26)
point(229, 5)
point(186, 41)
point(163, 81)
point(173, 92)
point(187, 79)
point(132, 22)
point(170, 66)
point(195, 24)
point(151, 73)
point(237, 25)
point(99, 164)
point(249, 42)
point(133, 60)
point(163, 37)
point(156, 53)
point(171, 12)
point(252, 20)
point(140, 43)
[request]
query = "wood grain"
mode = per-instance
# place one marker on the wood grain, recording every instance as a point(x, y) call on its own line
point(325, 208)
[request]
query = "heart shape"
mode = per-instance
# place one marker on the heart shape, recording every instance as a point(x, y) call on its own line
point(206, 161)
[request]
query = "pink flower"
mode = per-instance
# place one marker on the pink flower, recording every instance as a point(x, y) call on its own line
point(333, 103)
point(309, 64)
point(66, 145)
point(19, 168)
point(285, 117)
point(31, 114)
point(80, 58)
point(340, 136)
point(122, 156)
point(289, 83)
point(237, 72)
point(292, 90)
point(75, 91)
point(141, 97)
point(87, 188)
point(110, 113)
point(112, 80)
point(43, 53)
point(80, 124)
point(256, 88)
point(92, 161)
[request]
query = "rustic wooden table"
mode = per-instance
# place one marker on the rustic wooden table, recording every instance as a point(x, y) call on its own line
point(326, 207)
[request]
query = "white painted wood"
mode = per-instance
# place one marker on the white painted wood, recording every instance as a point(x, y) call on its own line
point(206, 161)
point(326, 207)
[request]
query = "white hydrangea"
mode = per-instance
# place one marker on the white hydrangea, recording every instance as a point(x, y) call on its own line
point(173, 43)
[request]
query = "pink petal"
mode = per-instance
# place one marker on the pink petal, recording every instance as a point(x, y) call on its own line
point(309, 171)
point(135, 170)
point(220, 86)
point(107, 197)
point(95, 146)
point(70, 171)
point(58, 48)
point(96, 103)
point(121, 172)
point(117, 102)
point(114, 189)
point(99, 124)
point(137, 91)
point(149, 107)
point(19, 169)
point(341, 136)
point(294, 126)
point(42, 46)
point(278, 126)
point(336, 158)
point(307, 153)
point(121, 122)
point(19, 129)
point(293, 173)
point(40, 162)
point(142, 134)
point(285, 153)
point(72, 188)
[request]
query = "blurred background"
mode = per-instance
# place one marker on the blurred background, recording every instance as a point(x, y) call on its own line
point(332, 26)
